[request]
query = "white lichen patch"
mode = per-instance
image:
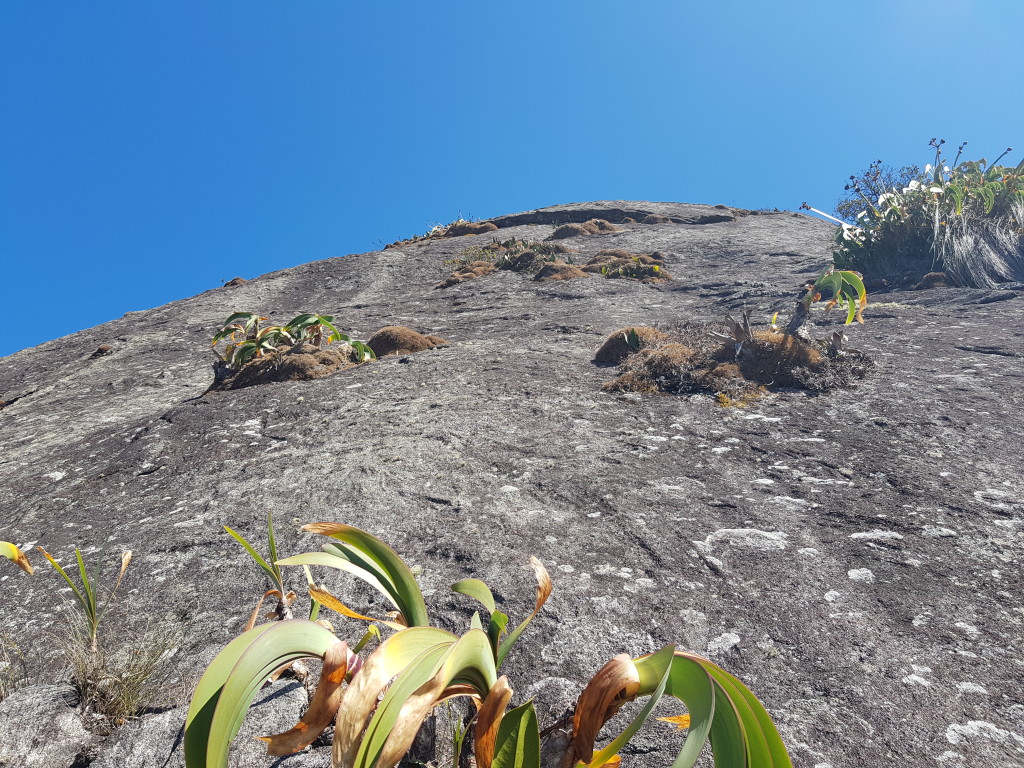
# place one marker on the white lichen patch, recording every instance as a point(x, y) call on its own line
point(968, 629)
point(916, 680)
point(968, 687)
point(876, 535)
point(639, 585)
point(723, 643)
point(748, 538)
point(981, 729)
point(861, 574)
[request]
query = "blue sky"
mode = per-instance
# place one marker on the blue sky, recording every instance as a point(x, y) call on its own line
point(149, 151)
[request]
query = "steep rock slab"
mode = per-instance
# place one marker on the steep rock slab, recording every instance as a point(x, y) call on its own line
point(852, 557)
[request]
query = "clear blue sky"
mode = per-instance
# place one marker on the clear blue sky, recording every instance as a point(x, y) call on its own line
point(150, 150)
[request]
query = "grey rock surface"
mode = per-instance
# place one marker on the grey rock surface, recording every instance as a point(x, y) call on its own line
point(42, 728)
point(854, 557)
point(154, 741)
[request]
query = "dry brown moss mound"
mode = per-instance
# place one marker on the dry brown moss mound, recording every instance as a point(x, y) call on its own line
point(615, 263)
point(515, 255)
point(467, 272)
point(559, 270)
point(691, 359)
point(591, 227)
point(302, 362)
point(616, 347)
point(459, 228)
point(399, 340)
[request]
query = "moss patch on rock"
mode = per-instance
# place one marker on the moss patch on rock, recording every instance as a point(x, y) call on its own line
point(466, 272)
point(581, 229)
point(399, 340)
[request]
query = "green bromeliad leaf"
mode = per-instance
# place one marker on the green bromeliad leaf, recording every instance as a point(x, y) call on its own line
point(370, 559)
point(478, 590)
point(518, 743)
point(721, 709)
point(230, 683)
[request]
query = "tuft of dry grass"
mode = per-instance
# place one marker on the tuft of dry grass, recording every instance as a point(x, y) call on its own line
point(125, 675)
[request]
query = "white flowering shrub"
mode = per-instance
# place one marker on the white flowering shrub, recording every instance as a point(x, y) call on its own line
point(965, 219)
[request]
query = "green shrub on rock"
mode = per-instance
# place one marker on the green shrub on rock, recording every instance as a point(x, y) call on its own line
point(965, 219)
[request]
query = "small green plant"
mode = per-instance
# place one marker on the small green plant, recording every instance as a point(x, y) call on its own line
point(246, 340)
point(91, 608)
point(379, 704)
point(839, 286)
point(284, 597)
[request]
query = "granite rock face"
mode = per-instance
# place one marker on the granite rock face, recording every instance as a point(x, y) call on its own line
point(854, 557)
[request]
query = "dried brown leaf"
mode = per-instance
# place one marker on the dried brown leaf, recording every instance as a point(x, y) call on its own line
point(322, 708)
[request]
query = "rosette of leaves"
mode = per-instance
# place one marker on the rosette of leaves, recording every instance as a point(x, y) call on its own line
point(378, 704)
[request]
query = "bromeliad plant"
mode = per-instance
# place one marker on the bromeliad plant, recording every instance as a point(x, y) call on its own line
point(247, 340)
point(379, 704)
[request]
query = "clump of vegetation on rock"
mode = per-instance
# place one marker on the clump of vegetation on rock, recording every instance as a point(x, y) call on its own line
point(580, 229)
point(614, 263)
point(257, 354)
point(553, 261)
point(117, 671)
point(517, 255)
point(965, 219)
point(740, 365)
point(456, 228)
point(379, 703)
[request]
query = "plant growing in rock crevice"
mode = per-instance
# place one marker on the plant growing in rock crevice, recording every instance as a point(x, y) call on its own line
point(380, 703)
point(115, 673)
